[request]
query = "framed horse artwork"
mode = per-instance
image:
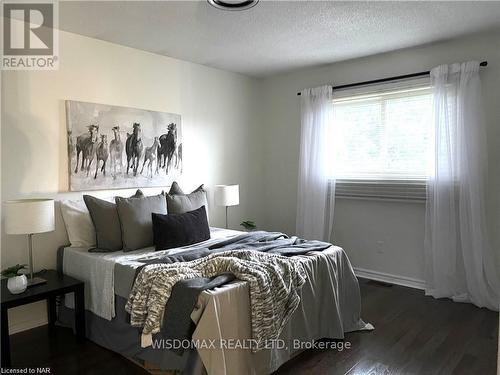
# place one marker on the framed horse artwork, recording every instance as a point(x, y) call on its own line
point(112, 147)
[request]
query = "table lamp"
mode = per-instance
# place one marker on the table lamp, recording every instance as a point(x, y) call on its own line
point(227, 195)
point(30, 216)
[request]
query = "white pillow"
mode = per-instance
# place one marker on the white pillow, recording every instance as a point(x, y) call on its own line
point(76, 216)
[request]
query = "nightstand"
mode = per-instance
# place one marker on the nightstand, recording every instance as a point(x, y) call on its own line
point(56, 285)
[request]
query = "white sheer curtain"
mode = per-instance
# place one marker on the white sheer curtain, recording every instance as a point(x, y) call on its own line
point(316, 188)
point(459, 261)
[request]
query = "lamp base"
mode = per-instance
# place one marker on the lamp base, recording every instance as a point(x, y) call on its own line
point(36, 281)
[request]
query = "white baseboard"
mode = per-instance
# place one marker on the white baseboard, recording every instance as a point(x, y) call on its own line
point(389, 278)
point(24, 326)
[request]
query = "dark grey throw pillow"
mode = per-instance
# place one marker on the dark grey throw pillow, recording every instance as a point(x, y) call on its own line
point(176, 230)
point(179, 203)
point(135, 219)
point(106, 223)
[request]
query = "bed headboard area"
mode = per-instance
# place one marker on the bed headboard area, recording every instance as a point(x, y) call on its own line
point(45, 245)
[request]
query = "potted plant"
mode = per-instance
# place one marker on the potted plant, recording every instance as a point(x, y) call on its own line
point(249, 225)
point(16, 283)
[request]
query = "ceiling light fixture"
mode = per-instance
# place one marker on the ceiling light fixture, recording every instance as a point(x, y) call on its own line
point(233, 4)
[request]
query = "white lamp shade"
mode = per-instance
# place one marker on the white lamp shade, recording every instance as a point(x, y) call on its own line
point(27, 216)
point(227, 195)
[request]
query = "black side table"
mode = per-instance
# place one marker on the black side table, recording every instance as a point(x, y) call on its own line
point(56, 285)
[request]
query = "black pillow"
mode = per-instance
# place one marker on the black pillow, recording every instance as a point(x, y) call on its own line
point(176, 230)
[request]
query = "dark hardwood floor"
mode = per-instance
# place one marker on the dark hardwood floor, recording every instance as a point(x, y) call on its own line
point(413, 334)
point(59, 350)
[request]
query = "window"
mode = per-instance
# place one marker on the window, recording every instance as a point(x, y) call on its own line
point(383, 134)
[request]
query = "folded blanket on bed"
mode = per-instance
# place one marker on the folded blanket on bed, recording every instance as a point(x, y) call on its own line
point(274, 282)
point(177, 322)
point(270, 242)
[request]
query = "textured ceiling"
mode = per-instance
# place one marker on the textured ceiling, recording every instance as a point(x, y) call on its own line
point(275, 36)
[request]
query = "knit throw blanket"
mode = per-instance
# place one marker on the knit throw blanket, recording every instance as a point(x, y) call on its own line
point(274, 282)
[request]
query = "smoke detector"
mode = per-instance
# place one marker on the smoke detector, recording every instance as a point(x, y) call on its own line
point(233, 4)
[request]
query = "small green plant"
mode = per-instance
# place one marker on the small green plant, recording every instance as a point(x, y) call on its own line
point(13, 271)
point(248, 225)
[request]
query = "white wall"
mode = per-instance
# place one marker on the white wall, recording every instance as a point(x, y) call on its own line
point(220, 119)
point(359, 225)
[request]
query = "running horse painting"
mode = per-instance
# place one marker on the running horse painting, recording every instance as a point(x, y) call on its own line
point(133, 148)
point(144, 147)
point(167, 149)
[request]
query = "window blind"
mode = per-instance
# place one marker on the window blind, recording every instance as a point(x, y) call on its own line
point(383, 133)
point(391, 190)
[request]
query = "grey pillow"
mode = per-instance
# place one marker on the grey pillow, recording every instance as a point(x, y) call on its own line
point(106, 223)
point(136, 219)
point(175, 189)
point(179, 203)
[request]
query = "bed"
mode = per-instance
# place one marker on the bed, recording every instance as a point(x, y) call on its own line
point(330, 306)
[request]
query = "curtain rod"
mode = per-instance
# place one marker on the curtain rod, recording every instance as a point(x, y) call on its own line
point(413, 75)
